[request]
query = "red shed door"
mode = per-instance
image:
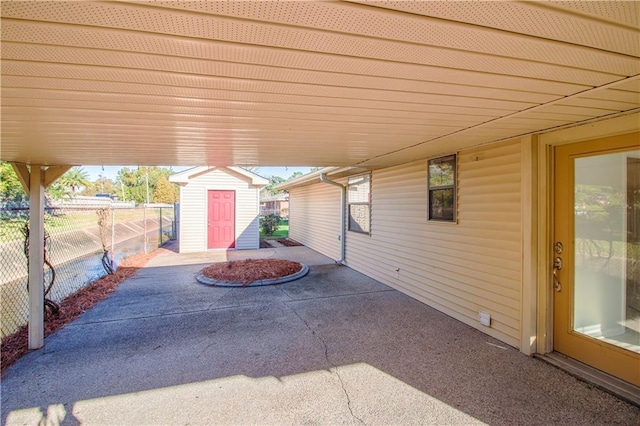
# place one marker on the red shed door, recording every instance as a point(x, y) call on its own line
point(221, 220)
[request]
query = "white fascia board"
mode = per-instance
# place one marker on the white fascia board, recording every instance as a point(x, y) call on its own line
point(255, 179)
point(312, 177)
point(185, 175)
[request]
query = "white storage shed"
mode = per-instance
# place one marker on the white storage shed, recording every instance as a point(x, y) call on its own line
point(219, 208)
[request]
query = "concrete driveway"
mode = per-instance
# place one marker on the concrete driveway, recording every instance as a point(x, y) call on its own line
point(332, 348)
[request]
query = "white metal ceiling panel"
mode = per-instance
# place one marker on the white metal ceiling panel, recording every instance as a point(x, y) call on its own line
point(303, 83)
point(155, 20)
point(606, 25)
point(198, 67)
point(171, 47)
point(347, 18)
point(213, 83)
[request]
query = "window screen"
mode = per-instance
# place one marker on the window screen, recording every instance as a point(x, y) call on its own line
point(359, 200)
point(442, 189)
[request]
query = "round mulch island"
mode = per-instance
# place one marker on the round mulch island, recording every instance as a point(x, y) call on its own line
point(251, 272)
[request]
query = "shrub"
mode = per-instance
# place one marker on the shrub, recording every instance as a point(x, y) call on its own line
point(269, 224)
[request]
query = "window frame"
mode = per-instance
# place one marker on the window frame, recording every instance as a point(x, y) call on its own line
point(358, 203)
point(433, 188)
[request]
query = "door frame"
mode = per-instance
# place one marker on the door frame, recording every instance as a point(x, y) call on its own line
point(546, 144)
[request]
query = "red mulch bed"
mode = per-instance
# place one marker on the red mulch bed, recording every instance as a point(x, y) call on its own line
point(289, 243)
point(16, 345)
point(250, 270)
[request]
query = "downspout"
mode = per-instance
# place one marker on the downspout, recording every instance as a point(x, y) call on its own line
point(343, 197)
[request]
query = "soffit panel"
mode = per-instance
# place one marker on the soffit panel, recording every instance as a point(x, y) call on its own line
point(70, 107)
point(623, 13)
point(462, 96)
point(411, 102)
point(120, 60)
point(176, 48)
point(154, 20)
point(49, 115)
point(606, 25)
point(612, 106)
point(162, 94)
point(47, 99)
point(249, 83)
point(615, 94)
point(344, 18)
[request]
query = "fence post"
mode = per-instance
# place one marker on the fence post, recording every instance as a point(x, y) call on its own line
point(113, 236)
point(160, 229)
point(145, 227)
point(176, 220)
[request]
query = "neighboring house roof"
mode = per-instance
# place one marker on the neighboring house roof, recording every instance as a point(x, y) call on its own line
point(314, 177)
point(186, 175)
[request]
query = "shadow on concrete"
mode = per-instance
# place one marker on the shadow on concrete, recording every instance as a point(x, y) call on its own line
point(333, 347)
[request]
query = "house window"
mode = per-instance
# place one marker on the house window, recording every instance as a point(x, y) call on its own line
point(442, 189)
point(359, 200)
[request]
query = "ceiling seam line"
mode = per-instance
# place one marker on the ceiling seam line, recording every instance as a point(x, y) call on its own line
point(249, 102)
point(279, 67)
point(603, 87)
point(518, 34)
point(442, 48)
point(350, 56)
point(259, 101)
point(262, 110)
point(248, 79)
point(236, 109)
point(344, 33)
point(562, 10)
point(265, 93)
point(235, 117)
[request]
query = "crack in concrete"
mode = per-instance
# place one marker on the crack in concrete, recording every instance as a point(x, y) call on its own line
point(333, 366)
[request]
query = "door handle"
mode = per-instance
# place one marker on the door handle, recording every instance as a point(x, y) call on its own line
point(557, 265)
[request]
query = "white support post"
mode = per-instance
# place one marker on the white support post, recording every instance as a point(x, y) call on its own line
point(36, 257)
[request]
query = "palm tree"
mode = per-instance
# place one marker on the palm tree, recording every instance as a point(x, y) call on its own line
point(75, 179)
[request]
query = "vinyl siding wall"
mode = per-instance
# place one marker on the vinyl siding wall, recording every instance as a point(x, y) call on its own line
point(457, 268)
point(460, 268)
point(193, 210)
point(314, 217)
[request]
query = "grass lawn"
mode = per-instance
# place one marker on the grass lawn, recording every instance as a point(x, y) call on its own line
point(282, 232)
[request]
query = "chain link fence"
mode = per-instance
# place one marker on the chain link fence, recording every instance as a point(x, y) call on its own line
point(83, 239)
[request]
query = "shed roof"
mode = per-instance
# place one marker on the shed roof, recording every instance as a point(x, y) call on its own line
point(186, 175)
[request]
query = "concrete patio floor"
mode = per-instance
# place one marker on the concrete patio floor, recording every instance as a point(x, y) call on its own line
point(334, 347)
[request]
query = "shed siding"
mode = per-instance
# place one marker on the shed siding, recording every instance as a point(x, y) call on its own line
point(314, 218)
point(193, 202)
point(460, 268)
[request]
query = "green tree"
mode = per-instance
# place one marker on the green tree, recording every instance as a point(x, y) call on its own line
point(134, 182)
point(269, 189)
point(165, 191)
point(58, 191)
point(10, 187)
point(102, 185)
point(74, 179)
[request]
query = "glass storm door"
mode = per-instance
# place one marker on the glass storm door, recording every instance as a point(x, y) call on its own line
point(596, 254)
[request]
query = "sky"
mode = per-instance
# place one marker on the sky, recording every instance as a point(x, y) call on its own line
point(111, 172)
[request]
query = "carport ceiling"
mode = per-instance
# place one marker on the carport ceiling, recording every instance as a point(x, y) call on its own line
point(304, 83)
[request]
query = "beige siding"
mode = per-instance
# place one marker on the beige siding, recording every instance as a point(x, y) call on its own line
point(314, 218)
point(193, 209)
point(460, 268)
